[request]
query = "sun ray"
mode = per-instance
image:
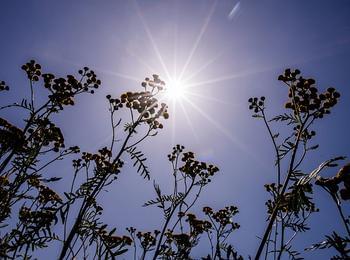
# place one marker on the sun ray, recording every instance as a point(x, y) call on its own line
point(175, 50)
point(215, 80)
point(188, 93)
point(242, 74)
point(199, 38)
point(203, 67)
point(140, 60)
point(173, 123)
point(189, 121)
point(118, 74)
point(151, 39)
point(220, 127)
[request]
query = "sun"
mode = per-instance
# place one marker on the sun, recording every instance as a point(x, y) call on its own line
point(175, 89)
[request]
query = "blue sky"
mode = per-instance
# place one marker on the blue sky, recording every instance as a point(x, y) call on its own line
point(230, 59)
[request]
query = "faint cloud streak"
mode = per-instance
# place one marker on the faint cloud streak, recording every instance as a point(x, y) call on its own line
point(234, 10)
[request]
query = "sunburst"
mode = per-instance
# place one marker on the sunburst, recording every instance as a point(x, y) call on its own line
point(176, 89)
point(182, 85)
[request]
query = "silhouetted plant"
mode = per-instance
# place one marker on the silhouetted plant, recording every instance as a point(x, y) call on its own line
point(331, 186)
point(291, 203)
point(30, 208)
point(33, 215)
point(101, 169)
point(174, 240)
point(26, 153)
point(28, 205)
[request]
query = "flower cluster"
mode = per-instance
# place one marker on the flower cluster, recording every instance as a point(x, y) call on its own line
point(197, 226)
point(306, 134)
point(4, 196)
point(33, 70)
point(256, 104)
point(182, 240)
point(223, 216)
point(332, 184)
point(116, 240)
point(147, 239)
point(144, 103)
point(154, 83)
point(4, 181)
point(41, 218)
point(177, 150)
point(11, 136)
point(63, 90)
point(102, 160)
point(34, 181)
point(304, 97)
point(3, 86)
point(48, 195)
point(46, 133)
point(194, 168)
point(113, 241)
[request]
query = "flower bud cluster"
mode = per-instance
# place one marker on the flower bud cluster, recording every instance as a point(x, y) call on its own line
point(144, 103)
point(304, 97)
point(40, 218)
point(177, 150)
point(46, 133)
point(256, 104)
point(223, 216)
point(197, 226)
point(63, 90)
point(33, 70)
point(113, 241)
point(154, 83)
point(4, 195)
point(11, 136)
point(147, 239)
point(102, 160)
point(3, 86)
point(194, 168)
point(47, 195)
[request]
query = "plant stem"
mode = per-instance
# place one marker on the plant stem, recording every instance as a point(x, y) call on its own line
point(86, 204)
point(341, 214)
point(156, 253)
point(285, 185)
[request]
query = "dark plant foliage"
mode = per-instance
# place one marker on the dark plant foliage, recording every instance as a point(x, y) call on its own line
point(291, 201)
point(33, 215)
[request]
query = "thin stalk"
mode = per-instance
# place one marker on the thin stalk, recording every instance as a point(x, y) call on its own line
point(29, 122)
point(341, 213)
point(86, 205)
point(275, 147)
point(285, 185)
point(156, 253)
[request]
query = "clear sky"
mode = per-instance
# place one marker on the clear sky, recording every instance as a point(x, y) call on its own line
point(230, 49)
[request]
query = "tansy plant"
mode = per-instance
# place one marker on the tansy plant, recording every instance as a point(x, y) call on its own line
point(34, 216)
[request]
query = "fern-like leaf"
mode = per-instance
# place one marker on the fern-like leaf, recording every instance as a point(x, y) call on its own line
point(139, 162)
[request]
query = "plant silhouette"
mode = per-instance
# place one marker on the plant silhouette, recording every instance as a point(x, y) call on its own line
point(33, 215)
